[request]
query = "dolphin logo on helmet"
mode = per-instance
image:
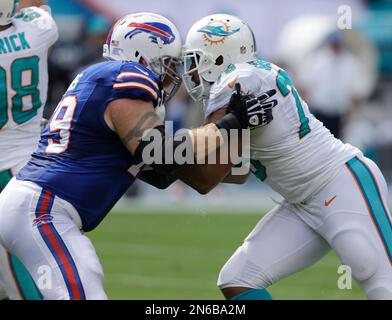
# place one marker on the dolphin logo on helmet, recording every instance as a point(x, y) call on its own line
point(217, 31)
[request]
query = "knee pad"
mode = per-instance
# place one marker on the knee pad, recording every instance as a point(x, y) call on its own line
point(379, 293)
point(240, 272)
point(378, 287)
point(231, 269)
point(357, 251)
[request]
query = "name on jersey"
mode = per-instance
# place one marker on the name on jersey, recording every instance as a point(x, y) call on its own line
point(13, 43)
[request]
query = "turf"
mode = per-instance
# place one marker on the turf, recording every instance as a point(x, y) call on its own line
point(178, 256)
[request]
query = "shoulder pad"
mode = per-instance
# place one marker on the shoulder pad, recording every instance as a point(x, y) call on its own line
point(139, 81)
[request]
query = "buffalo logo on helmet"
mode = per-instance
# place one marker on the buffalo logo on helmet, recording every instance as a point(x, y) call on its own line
point(156, 30)
point(216, 31)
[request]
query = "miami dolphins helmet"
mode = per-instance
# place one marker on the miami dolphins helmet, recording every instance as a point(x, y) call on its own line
point(8, 10)
point(212, 44)
point(152, 40)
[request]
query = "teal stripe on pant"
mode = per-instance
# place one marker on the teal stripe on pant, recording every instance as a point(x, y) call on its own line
point(371, 193)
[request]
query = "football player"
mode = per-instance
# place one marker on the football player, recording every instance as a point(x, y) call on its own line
point(91, 151)
point(334, 197)
point(25, 38)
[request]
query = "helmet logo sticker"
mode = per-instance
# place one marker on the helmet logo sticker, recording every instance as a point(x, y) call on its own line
point(217, 31)
point(16, 3)
point(156, 30)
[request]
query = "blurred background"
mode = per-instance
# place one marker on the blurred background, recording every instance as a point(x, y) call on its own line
point(172, 244)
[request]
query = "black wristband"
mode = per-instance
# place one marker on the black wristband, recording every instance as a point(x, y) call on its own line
point(229, 121)
point(156, 179)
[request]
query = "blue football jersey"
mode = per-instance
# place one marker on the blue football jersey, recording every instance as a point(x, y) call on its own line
point(79, 158)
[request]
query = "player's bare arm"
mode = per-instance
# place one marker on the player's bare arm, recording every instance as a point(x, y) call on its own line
point(229, 178)
point(132, 118)
point(205, 177)
point(259, 114)
point(209, 175)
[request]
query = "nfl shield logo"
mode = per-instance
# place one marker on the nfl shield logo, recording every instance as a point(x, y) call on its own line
point(243, 50)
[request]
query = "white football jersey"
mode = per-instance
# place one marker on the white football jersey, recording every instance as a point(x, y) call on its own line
point(294, 154)
point(23, 83)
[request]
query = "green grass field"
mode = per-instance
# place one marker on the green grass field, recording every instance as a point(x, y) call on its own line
point(178, 256)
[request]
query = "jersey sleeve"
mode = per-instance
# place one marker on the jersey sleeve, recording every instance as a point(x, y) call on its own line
point(222, 90)
point(136, 82)
point(40, 24)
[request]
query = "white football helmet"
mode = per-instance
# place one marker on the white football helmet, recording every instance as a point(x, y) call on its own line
point(152, 40)
point(212, 44)
point(8, 10)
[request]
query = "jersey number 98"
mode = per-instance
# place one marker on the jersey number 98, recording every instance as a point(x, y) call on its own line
point(20, 68)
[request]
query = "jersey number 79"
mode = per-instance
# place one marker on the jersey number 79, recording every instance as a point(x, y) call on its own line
point(60, 125)
point(285, 86)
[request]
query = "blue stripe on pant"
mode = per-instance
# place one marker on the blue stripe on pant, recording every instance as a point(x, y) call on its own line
point(57, 246)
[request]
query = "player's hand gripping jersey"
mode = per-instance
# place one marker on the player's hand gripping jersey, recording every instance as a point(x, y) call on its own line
point(23, 83)
point(80, 159)
point(294, 153)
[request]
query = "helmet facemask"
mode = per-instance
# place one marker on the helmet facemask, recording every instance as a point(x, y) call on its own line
point(212, 44)
point(197, 63)
point(169, 68)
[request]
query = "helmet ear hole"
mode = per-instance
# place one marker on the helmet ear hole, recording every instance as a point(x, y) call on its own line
point(219, 60)
point(143, 62)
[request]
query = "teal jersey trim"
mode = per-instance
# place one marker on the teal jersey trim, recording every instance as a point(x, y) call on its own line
point(258, 169)
point(5, 177)
point(285, 87)
point(372, 196)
